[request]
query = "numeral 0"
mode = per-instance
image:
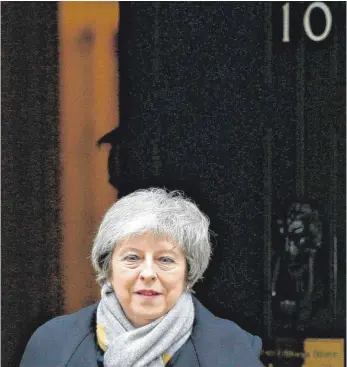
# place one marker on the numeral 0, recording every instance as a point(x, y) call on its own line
point(307, 22)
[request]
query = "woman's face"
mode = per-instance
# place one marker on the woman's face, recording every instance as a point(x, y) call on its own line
point(148, 276)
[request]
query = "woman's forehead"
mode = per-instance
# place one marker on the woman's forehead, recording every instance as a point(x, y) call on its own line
point(148, 240)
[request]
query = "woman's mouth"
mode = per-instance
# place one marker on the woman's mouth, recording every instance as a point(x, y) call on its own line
point(148, 293)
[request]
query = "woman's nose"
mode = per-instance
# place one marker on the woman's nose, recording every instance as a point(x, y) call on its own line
point(147, 272)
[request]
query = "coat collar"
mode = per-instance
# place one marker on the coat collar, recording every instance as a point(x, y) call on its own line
point(228, 342)
point(80, 347)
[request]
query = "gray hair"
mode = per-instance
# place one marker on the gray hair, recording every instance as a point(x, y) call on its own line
point(159, 211)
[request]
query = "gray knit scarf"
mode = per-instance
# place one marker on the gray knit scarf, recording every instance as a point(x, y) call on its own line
point(128, 346)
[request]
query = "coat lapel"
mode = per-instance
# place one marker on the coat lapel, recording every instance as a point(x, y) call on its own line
point(186, 356)
point(85, 354)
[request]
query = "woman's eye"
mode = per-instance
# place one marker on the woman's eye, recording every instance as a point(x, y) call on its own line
point(166, 260)
point(131, 257)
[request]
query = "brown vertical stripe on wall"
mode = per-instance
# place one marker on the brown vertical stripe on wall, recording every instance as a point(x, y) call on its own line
point(88, 109)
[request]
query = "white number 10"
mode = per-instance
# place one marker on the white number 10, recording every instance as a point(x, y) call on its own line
point(307, 22)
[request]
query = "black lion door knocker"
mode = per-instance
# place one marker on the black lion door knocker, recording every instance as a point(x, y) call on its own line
point(298, 240)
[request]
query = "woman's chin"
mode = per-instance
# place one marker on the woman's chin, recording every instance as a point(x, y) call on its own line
point(145, 315)
point(145, 298)
point(143, 320)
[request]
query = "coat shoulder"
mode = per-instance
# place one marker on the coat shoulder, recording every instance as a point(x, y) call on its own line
point(230, 330)
point(227, 340)
point(57, 337)
point(65, 325)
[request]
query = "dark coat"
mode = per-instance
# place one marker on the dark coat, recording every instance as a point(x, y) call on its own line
point(70, 341)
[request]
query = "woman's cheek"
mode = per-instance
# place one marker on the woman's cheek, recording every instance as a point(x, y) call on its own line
point(174, 277)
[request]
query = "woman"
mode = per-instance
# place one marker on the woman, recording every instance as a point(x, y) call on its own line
point(151, 248)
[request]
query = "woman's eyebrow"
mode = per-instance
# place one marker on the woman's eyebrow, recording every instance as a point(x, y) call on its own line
point(126, 249)
point(167, 251)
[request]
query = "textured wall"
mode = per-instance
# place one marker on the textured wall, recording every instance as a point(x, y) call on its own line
point(31, 291)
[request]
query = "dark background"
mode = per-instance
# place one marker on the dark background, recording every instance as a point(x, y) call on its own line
point(211, 102)
point(30, 228)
